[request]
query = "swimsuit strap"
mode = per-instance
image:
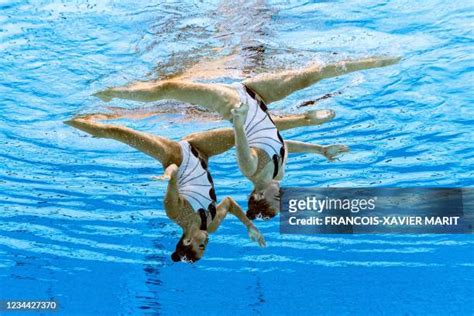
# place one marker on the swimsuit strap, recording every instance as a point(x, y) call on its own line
point(195, 184)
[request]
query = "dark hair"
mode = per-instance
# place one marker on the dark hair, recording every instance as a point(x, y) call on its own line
point(184, 253)
point(259, 208)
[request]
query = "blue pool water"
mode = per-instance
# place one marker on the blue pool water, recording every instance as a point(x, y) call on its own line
point(81, 222)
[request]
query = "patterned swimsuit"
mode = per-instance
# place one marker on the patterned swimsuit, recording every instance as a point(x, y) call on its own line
point(261, 131)
point(196, 186)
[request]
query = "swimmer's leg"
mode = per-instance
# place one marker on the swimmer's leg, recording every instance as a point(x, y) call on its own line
point(274, 87)
point(165, 150)
point(218, 141)
point(116, 113)
point(216, 97)
point(330, 152)
point(168, 152)
point(213, 142)
point(192, 113)
point(310, 118)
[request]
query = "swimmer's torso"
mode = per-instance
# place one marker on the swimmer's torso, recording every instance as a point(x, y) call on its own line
point(195, 185)
point(263, 136)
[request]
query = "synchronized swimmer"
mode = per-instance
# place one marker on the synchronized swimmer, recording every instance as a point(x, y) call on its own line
point(190, 200)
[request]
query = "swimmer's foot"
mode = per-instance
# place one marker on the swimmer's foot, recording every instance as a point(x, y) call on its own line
point(86, 125)
point(331, 151)
point(318, 117)
point(105, 95)
point(384, 61)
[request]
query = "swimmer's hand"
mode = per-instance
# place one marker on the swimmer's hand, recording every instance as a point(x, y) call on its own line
point(161, 178)
point(169, 174)
point(330, 152)
point(255, 235)
point(239, 114)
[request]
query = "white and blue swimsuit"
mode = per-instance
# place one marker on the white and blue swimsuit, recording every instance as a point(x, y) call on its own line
point(195, 184)
point(260, 129)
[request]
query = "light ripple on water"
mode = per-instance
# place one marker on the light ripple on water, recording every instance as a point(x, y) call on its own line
point(71, 253)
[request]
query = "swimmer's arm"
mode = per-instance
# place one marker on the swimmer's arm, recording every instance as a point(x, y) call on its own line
point(330, 152)
point(221, 213)
point(229, 205)
point(274, 87)
point(246, 156)
point(172, 198)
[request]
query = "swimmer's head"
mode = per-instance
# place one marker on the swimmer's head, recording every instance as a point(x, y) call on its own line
point(191, 248)
point(264, 204)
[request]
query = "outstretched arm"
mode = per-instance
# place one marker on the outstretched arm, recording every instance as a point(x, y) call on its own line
point(310, 118)
point(246, 156)
point(172, 200)
point(229, 205)
point(274, 87)
point(330, 152)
